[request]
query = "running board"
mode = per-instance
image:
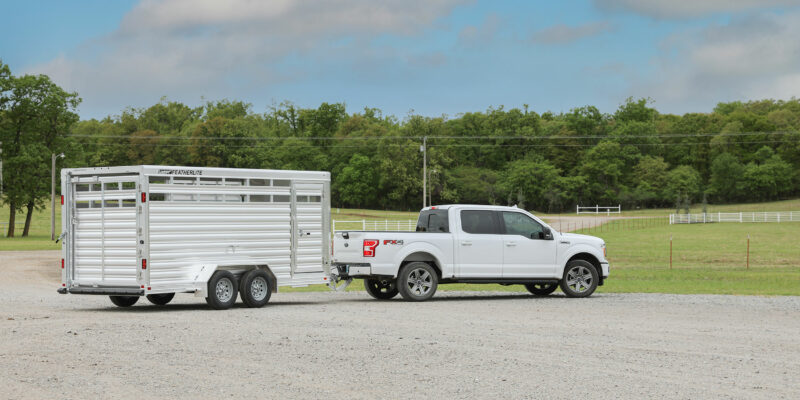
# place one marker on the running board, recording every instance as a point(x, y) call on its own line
point(103, 291)
point(515, 281)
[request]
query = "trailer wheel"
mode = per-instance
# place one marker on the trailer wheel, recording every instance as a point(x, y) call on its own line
point(255, 288)
point(160, 299)
point(222, 289)
point(417, 281)
point(381, 289)
point(580, 279)
point(541, 289)
point(124, 301)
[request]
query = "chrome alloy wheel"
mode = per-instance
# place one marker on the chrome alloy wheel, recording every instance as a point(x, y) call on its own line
point(579, 279)
point(259, 288)
point(419, 282)
point(224, 290)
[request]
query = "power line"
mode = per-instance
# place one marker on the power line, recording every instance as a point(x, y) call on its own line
point(484, 137)
point(459, 145)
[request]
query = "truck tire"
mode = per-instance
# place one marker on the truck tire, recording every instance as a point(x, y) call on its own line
point(222, 290)
point(381, 289)
point(541, 289)
point(417, 281)
point(160, 299)
point(255, 288)
point(124, 301)
point(580, 279)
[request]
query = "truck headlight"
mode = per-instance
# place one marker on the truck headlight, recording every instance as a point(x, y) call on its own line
point(603, 246)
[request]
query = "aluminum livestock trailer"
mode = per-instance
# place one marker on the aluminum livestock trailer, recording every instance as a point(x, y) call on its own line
point(216, 232)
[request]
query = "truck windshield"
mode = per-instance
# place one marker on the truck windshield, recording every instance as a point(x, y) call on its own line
point(433, 221)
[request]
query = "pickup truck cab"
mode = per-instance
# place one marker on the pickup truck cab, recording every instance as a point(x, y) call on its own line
point(471, 244)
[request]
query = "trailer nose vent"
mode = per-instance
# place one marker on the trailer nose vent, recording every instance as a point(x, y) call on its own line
point(144, 263)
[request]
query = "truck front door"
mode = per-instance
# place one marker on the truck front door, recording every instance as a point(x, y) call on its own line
point(479, 246)
point(526, 252)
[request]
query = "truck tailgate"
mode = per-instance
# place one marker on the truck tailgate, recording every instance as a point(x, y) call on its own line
point(349, 248)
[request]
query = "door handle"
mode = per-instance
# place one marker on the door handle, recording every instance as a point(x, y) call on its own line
point(466, 243)
point(511, 244)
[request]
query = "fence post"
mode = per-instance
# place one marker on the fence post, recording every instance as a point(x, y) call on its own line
point(748, 252)
point(596, 208)
point(670, 251)
point(363, 224)
point(740, 216)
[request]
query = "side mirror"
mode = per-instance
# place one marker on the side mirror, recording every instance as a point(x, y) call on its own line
point(544, 235)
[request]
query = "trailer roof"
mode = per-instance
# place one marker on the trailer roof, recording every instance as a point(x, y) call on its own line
point(201, 171)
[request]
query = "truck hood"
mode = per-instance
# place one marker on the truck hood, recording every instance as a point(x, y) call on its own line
point(576, 238)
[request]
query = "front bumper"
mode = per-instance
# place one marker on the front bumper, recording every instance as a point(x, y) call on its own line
point(604, 266)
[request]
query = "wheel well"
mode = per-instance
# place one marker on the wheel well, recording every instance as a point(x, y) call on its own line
point(591, 260)
point(239, 270)
point(423, 257)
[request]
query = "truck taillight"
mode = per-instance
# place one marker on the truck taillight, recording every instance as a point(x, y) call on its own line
point(144, 263)
point(369, 247)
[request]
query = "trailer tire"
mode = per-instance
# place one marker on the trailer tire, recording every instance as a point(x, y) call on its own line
point(580, 279)
point(541, 289)
point(222, 290)
point(255, 288)
point(160, 299)
point(381, 289)
point(417, 281)
point(124, 301)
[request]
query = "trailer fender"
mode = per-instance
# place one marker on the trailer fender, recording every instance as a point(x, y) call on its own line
point(204, 272)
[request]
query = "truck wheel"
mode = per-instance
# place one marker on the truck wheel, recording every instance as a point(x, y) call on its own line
point(160, 299)
point(417, 281)
point(381, 289)
point(541, 289)
point(222, 289)
point(255, 288)
point(124, 301)
point(580, 279)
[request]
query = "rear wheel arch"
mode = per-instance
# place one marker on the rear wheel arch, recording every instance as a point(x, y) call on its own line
point(425, 257)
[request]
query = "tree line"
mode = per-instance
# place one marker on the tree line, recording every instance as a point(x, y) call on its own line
point(636, 156)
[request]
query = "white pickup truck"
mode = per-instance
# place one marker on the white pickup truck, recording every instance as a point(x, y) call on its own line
point(470, 244)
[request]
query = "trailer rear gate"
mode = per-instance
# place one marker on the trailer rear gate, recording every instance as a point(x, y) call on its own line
point(152, 228)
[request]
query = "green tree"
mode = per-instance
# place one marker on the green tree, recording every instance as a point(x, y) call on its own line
point(683, 182)
point(727, 176)
point(356, 185)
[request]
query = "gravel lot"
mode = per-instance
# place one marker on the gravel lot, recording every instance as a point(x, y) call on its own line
point(345, 345)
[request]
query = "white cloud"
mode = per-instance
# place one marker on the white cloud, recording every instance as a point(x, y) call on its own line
point(750, 58)
point(484, 33)
point(681, 9)
point(193, 48)
point(562, 34)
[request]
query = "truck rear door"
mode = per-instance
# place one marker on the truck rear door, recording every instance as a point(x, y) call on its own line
point(479, 247)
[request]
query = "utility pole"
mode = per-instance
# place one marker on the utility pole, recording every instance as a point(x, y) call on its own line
point(53, 195)
point(424, 150)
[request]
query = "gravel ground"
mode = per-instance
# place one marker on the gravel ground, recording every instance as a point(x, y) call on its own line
point(346, 345)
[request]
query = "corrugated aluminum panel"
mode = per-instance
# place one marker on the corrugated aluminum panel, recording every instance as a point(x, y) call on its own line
point(184, 234)
point(309, 222)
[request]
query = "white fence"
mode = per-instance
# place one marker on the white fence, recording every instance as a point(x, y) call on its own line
point(598, 210)
point(375, 225)
point(775, 216)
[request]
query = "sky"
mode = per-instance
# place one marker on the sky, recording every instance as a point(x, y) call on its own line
point(427, 57)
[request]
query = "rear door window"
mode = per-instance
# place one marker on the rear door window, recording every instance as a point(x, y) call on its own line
point(478, 221)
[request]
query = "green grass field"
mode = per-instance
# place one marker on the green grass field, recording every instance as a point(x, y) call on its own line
point(707, 258)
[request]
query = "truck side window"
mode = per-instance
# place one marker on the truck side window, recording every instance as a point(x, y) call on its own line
point(478, 221)
point(433, 221)
point(520, 224)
